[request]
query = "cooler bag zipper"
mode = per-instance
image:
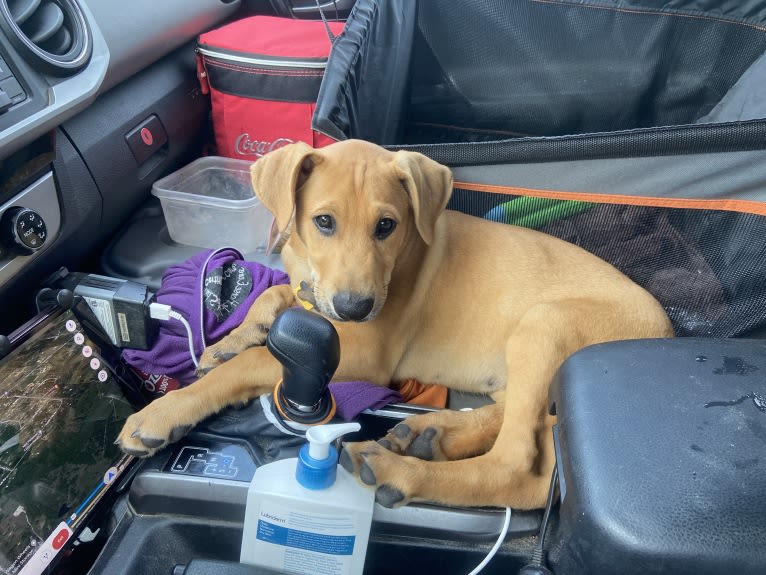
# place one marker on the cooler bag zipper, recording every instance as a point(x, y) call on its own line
point(256, 61)
point(268, 61)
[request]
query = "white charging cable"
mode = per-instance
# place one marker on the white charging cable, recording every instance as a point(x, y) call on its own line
point(164, 312)
point(498, 543)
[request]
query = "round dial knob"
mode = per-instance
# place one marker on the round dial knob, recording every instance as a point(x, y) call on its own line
point(24, 229)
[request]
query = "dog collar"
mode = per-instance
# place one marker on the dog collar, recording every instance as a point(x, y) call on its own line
point(304, 293)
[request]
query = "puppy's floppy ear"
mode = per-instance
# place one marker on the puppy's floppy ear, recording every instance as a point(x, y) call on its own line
point(429, 185)
point(277, 175)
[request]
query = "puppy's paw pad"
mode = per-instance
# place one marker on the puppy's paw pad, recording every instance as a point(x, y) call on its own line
point(224, 355)
point(346, 461)
point(178, 432)
point(389, 496)
point(401, 431)
point(133, 444)
point(152, 442)
point(207, 363)
point(424, 445)
point(386, 444)
point(366, 474)
point(213, 356)
point(202, 371)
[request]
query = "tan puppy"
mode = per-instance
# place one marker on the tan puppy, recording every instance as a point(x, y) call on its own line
point(419, 292)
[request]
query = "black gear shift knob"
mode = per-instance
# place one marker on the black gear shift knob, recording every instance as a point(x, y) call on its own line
point(307, 346)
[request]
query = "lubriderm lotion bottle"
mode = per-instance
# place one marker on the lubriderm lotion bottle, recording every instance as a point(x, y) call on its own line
point(305, 515)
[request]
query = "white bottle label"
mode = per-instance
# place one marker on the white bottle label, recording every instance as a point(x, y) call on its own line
point(298, 542)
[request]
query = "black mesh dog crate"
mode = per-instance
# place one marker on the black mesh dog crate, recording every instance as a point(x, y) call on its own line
point(438, 71)
point(634, 128)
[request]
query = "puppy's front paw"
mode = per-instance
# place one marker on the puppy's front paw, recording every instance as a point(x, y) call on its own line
point(392, 476)
point(161, 422)
point(236, 342)
point(253, 329)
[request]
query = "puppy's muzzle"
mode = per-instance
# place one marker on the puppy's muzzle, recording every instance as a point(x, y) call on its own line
point(352, 306)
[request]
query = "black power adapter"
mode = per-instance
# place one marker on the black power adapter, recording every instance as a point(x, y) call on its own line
point(120, 306)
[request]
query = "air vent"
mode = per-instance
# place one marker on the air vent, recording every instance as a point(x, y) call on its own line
point(52, 32)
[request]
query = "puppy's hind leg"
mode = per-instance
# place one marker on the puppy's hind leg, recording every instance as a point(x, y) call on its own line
point(516, 470)
point(476, 481)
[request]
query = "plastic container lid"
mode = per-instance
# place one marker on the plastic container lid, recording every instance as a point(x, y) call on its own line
point(212, 180)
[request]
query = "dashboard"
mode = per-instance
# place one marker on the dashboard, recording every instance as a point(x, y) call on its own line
point(110, 41)
point(98, 98)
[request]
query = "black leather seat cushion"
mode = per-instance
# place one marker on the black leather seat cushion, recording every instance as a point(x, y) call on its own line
point(662, 458)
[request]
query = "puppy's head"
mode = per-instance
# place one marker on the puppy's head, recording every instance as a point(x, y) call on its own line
point(354, 210)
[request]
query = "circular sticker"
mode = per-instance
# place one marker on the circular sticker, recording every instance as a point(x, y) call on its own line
point(87, 351)
point(71, 326)
point(103, 376)
point(110, 474)
point(79, 338)
point(95, 363)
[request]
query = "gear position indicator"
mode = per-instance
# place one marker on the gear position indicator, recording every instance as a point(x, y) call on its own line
point(224, 461)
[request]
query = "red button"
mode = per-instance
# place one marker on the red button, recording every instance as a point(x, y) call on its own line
point(147, 136)
point(60, 538)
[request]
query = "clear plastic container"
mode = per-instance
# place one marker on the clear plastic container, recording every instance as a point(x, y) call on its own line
point(210, 203)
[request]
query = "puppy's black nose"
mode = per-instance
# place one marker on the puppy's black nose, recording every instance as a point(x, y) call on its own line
point(352, 307)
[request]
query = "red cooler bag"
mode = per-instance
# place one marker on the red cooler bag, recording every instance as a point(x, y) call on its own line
point(263, 74)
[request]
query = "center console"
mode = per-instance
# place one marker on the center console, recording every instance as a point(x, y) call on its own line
point(187, 503)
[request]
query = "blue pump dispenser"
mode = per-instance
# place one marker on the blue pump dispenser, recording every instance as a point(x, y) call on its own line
point(318, 460)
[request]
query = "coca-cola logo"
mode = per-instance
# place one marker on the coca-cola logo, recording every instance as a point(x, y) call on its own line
point(244, 146)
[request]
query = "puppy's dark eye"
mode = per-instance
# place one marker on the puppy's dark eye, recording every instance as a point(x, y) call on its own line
point(325, 224)
point(384, 228)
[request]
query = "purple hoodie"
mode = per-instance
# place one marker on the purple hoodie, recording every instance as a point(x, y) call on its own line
point(213, 290)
